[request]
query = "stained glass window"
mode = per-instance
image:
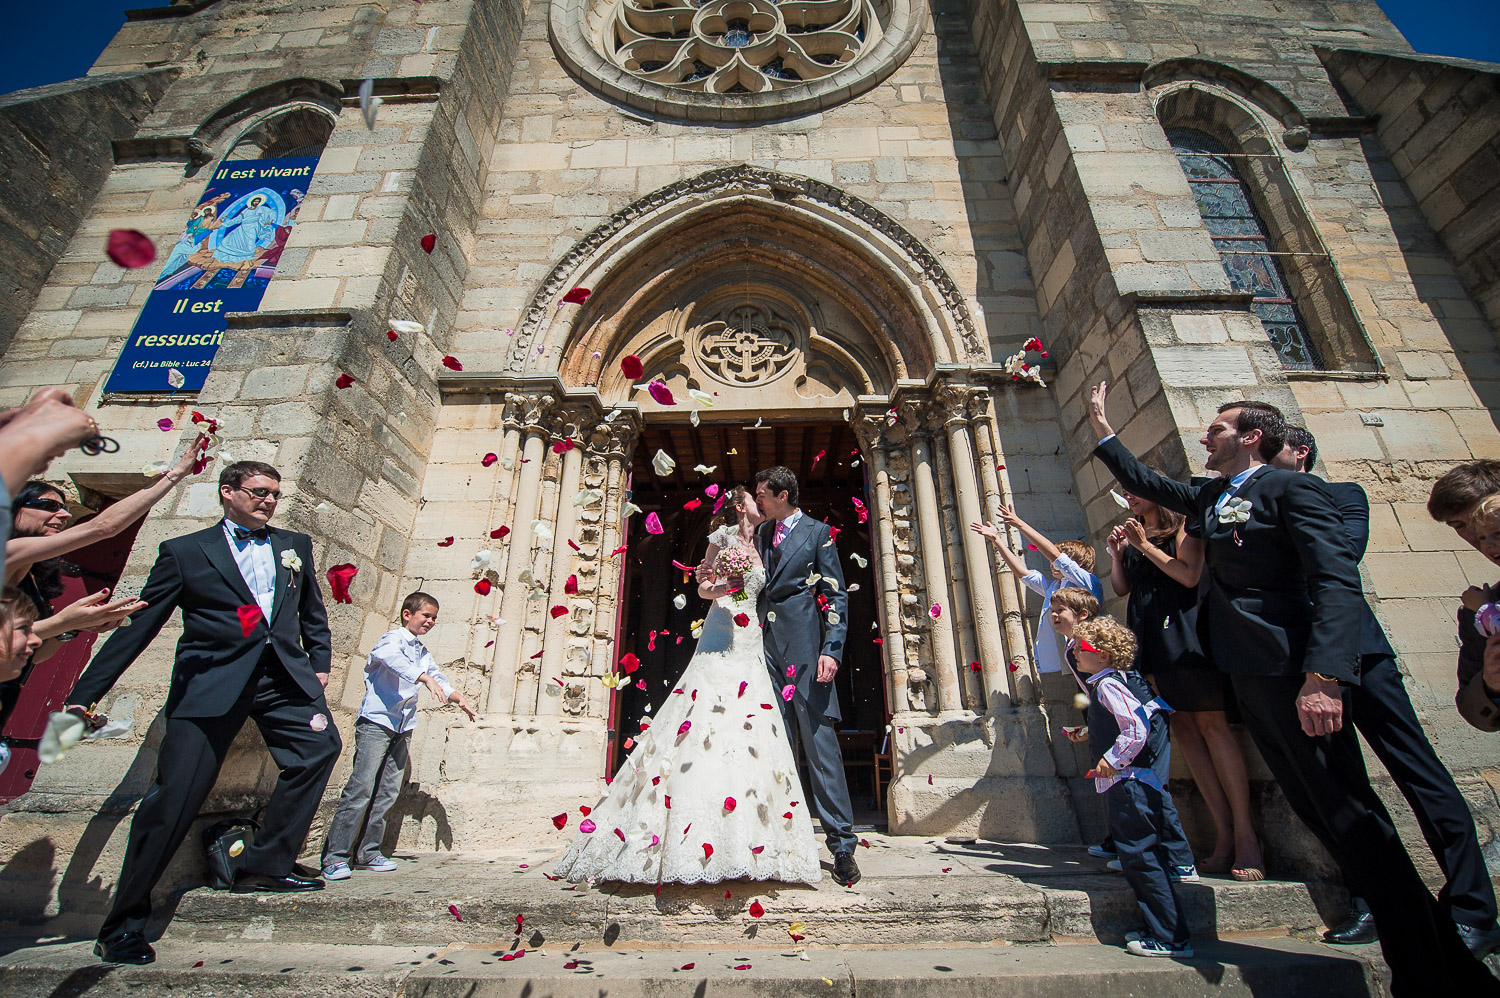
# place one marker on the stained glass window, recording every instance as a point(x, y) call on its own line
point(1244, 246)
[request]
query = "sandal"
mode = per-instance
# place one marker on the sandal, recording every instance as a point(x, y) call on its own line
point(1248, 874)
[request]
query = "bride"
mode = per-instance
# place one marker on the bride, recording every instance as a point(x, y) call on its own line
point(710, 791)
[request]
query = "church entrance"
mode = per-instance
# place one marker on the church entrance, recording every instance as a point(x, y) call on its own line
point(831, 474)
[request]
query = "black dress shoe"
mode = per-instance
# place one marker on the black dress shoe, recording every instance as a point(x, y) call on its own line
point(127, 947)
point(1481, 942)
point(845, 870)
point(250, 883)
point(1360, 928)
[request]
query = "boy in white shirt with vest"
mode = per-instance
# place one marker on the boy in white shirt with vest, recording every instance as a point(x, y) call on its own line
point(397, 665)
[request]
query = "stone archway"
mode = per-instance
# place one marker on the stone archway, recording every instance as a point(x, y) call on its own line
point(777, 296)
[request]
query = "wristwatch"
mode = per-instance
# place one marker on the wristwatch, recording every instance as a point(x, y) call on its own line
point(1326, 679)
point(66, 636)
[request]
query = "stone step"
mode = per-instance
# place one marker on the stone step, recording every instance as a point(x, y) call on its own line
point(920, 891)
point(1283, 967)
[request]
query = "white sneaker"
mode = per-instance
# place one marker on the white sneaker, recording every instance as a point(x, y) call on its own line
point(381, 864)
point(1148, 946)
point(1183, 875)
point(336, 871)
point(1099, 852)
point(1115, 866)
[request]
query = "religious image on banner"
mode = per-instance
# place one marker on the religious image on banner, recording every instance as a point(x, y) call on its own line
point(222, 262)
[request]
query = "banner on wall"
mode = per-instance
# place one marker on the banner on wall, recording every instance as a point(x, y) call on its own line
point(221, 263)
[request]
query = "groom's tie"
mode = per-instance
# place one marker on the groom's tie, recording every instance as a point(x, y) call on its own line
point(781, 531)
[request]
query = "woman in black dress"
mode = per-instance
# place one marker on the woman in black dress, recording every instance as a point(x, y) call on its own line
point(1158, 564)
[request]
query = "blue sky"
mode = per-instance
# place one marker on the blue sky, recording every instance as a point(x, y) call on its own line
point(57, 40)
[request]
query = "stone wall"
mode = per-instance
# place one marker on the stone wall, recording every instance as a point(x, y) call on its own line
point(56, 144)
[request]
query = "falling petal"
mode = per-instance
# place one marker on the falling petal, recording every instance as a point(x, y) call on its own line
point(452, 364)
point(770, 616)
point(541, 530)
point(560, 821)
point(661, 393)
point(483, 587)
point(788, 691)
point(407, 326)
point(653, 524)
point(692, 504)
point(563, 446)
point(859, 508)
point(250, 616)
point(129, 248)
point(708, 854)
point(712, 491)
point(682, 728)
point(859, 559)
point(629, 509)
point(587, 826)
point(368, 102)
point(570, 587)
point(632, 367)
point(429, 241)
point(587, 497)
point(559, 611)
point(730, 804)
point(629, 662)
point(175, 378)
point(756, 909)
point(702, 398)
point(935, 611)
point(446, 542)
point(164, 425)
point(480, 561)
point(742, 620)
point(1119, 499)
point(499, 533)
point(577, 296)
point(707, 469)
point(339, 578)
point(663, 463)
point(453, 909)
point(680, 601)
point(693, 418)
point(489, 459)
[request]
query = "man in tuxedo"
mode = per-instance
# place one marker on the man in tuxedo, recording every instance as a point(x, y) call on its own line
point(1282, 614)
point(1382, 711)
point(255, 644)
point(800, 632)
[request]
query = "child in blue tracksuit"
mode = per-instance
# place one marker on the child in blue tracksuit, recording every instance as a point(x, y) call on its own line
point(1127, 730)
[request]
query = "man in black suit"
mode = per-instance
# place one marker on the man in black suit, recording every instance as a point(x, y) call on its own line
point(255, 644)
point(1282, 614)
point(1382, 711)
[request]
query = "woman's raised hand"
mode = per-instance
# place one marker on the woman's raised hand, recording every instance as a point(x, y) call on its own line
point(985, 530)
point(1116, 542)
point(184, 465)
point(1097, 418)
point(1135, 534)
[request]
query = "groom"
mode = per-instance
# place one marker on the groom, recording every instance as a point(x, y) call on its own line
point(255, 644)
point(804, 644)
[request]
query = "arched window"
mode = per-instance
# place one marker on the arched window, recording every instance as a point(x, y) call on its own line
point(1245, 248)
point(1267, 241)
point(291, 133)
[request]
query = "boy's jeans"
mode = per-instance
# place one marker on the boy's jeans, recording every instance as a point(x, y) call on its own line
point(379, 770)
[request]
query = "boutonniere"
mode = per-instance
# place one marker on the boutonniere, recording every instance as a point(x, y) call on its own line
point(1235, 511)
point(291, 563)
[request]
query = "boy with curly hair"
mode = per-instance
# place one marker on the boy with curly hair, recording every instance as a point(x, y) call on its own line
point(1127, 731)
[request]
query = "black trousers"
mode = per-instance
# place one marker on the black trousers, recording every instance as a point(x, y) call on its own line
point(1325, 782)
point(826, 784)
point(1383, 713)
point(187, 765)
point(1139, 824)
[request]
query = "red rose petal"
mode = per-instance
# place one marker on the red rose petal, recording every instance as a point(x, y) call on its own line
point(489, 459)
point(250, 615)
point(164, 425)
point(742, 966)
point(742, 689)
point(668, 800)
point(130, 248)
point(452, 364)
point(787, 816)
point(429, 241)
point(344, 381)
point(682, 728)
point(198, 964)
point(573, 544)
point(757, 850)
point(692, 504)
point(563, 446)
point(632, 367)
point(742, 620)
point(559, 611)
point(446, 542)
point(618, 551)
point(536, 656)
point(390, 334)
point(584, 810)
point(560, 821)
point(973, 666)
point(499, 533)
point(629, 662)
point(453, 910)
point(687, 966)
point(756, 909)
point(661, 393)
point(730, 804)
point(587, 826)
point(653, 524)
point(570, 965)
point(339, 577)
point(571, 586)
point(708, 850)
point(577, 296)
point(483, 587)
point(619, 835)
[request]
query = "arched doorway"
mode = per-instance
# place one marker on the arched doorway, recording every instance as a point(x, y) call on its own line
point(761, 300)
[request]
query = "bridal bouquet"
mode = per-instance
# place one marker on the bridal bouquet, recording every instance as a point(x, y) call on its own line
point(733, 562)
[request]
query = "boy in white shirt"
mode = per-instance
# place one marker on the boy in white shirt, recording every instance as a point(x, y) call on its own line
point(382, 737)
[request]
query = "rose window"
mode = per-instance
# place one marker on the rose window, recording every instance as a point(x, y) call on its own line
point(738, 46)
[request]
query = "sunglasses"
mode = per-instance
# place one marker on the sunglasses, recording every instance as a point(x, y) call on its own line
point(50, 505)
point(270, 494)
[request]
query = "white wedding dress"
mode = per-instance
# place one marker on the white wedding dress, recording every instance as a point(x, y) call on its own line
point(719, 801)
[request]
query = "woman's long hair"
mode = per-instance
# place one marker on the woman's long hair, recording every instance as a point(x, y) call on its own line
point(47, 575)
point(1168, 522)
point(729, 513)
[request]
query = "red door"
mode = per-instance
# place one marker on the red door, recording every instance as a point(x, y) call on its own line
point(45, 684)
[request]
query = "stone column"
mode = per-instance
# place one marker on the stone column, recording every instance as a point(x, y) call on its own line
point(870, 430)
point(529, 413)
point(943, 666)
point(961, 403)
point(616, 439)
point(971, 694)
point(564, 524)
point(1020, 666)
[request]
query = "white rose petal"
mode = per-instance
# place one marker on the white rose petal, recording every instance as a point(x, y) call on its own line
point(705, 469)
point(612, 415)
point(814, 579)
point(154, 469)
point(663, 463)
point(587, 497)
point(318, 722)
point(702, 398)
point(175, 378)
point(541, 530)
point(368, 103)
point(854, 587)
point(693, 418)
point(1119, 499)
point(862, 562)
point(322, 507)
point(481, 560)
point(629, 510)
point(406, 326)
point(833, 618)
point(680, 602)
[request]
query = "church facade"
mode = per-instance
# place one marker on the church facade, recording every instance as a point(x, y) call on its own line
point(887, 243)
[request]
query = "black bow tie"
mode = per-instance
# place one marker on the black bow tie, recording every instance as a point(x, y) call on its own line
point(259, 534)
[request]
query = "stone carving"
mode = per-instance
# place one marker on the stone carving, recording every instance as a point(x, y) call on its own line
point(737, 46)
point(526, 411)
point(747, 345)
point(736, 180)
